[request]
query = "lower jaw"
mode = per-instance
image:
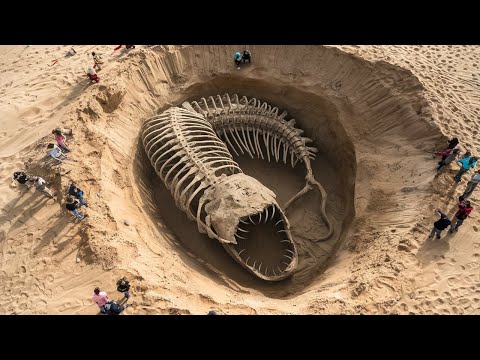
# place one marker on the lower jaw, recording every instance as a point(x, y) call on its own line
point(271, 277)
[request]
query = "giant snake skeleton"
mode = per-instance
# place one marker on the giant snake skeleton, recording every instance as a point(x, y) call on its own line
point(188, 148)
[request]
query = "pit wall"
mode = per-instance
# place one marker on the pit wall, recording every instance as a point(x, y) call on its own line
point(355, 111)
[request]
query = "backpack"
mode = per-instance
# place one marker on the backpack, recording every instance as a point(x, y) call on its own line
point(112, 308)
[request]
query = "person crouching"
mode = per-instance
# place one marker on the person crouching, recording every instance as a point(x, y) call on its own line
point(92, 75)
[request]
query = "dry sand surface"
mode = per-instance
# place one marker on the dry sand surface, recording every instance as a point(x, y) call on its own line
point(376, 113)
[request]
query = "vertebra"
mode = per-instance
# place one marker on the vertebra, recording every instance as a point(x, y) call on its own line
point(242, 124)
point(210, 187)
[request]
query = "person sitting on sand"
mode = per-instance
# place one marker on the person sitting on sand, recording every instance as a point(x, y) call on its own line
point(41, 185)
point(70, 52)
point(92, 75)
point(123, 286)
point(60, 138)
point(100, 298)
point(97, 61)
point(56, 152)
point(77, 193)
point(72, 205)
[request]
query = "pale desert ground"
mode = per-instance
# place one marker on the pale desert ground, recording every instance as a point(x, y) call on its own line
point(376, 113)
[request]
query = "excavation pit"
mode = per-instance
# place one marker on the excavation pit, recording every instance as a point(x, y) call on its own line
point(317, 117)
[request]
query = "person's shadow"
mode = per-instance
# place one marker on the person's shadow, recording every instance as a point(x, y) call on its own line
point(433, 249)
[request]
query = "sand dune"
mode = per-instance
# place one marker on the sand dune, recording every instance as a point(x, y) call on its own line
point(376, 113)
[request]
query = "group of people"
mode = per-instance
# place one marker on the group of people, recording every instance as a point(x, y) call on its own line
point(37, 181)
point(242, 57)
point(75, 198)
point(97, 61)
point(108, 306)
point(467, 162)
point(75, 201)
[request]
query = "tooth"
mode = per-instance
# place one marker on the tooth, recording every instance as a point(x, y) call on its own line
point(260, 267)
point(266, 216)
point(285, 241)
point(278, 268)
point(243, 222)
point(246, 261)
point(285, 263)
point(273, 213)
point(260, 220)
point(273, 269)
point(241, 237)
point(251, 219)
point(245, 231)
point(288, 257)
point(266, 271)
point(282, 231)
point(254, 264)
point(290, 251)
point(278, 222)
point(241, 252)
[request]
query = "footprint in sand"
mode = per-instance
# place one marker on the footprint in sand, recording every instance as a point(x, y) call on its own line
point(41, 306)
point(475, 228)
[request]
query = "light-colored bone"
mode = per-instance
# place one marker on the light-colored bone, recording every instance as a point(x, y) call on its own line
point(276, 132)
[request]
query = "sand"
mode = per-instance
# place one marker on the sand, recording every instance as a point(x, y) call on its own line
point(376, 113)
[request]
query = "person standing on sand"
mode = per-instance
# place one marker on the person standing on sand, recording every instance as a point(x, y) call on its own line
point(440, 225)
point(123, 286)
point(472, 184)
point(41, 185)
point(247, 55)
point(97, 61)
point(464, 209)
point(452, 143)
point(447, 157)
point(467, 163)
point(100, 298)
point(237, 57)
